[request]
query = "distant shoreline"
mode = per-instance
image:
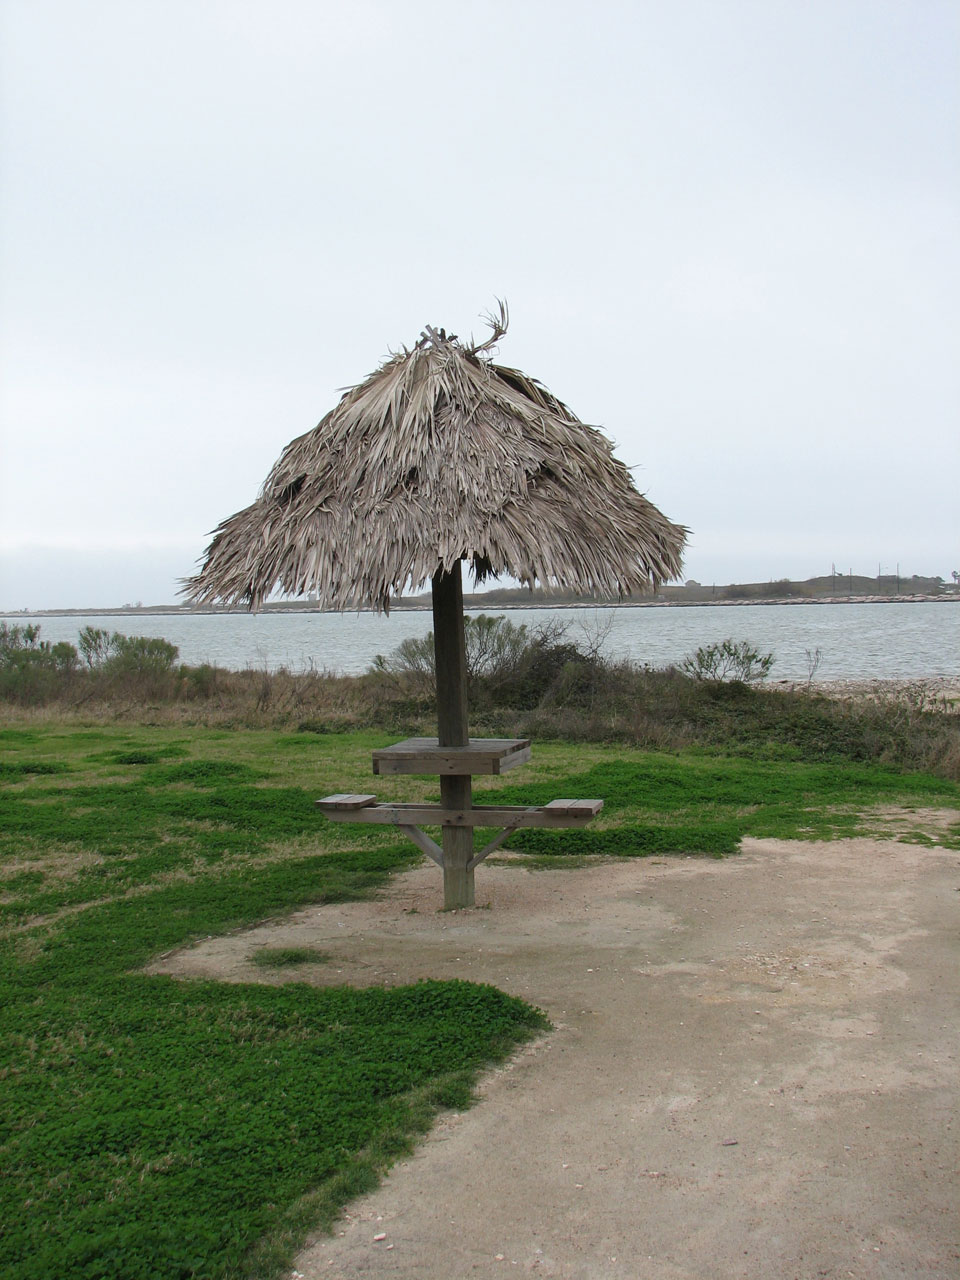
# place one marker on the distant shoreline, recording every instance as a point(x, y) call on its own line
point(475, 604)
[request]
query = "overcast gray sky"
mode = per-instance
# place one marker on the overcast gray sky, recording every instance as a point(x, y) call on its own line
point(727, 231)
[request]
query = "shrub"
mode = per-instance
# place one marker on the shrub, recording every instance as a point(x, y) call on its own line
point(22, 647)
point(200, 682)
point(728, 660)
point(140, 655)
point(507, 664)
point(33, 670)
point(134, 666)
point(494, 647)
point(118, 654)
point(94, 644)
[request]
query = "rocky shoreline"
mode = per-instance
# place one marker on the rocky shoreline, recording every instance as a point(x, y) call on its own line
point(923, 692)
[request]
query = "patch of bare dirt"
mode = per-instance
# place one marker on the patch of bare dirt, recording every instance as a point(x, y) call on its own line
point(753, 1069)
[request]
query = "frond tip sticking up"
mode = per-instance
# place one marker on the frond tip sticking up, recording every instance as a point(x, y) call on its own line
point(498, 325)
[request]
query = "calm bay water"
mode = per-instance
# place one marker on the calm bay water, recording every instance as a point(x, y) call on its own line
point(902, 640)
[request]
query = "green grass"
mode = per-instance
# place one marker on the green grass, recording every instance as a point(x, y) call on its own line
point(705, 804)
point(153, 1128)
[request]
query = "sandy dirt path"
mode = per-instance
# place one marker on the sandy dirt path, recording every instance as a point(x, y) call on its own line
point(753, 1071)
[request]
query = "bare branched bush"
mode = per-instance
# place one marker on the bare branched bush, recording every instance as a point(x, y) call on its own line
point(814, 658)
point(506, 663)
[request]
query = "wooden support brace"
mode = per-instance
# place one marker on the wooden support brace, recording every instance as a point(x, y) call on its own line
point(487, 849)
point(556, 813)
point(349, 807)
point(423, 842)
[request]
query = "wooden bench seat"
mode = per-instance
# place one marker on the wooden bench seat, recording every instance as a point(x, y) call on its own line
point(345, 800)
point(455, 765)
point(585, 809)
point(409, 818)
point(365, 808)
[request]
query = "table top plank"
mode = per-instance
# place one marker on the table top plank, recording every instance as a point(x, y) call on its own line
point(426, 756)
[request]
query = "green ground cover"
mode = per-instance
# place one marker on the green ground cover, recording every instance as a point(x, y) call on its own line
point(153, 1128)
point(160, 1129)
point(706, 803)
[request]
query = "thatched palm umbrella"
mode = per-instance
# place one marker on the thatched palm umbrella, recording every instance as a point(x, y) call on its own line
point(442, 456)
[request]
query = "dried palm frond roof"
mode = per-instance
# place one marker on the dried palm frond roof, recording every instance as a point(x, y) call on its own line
point(441, 455)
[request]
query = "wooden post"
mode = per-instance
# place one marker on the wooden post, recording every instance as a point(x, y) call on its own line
point(456, 791)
